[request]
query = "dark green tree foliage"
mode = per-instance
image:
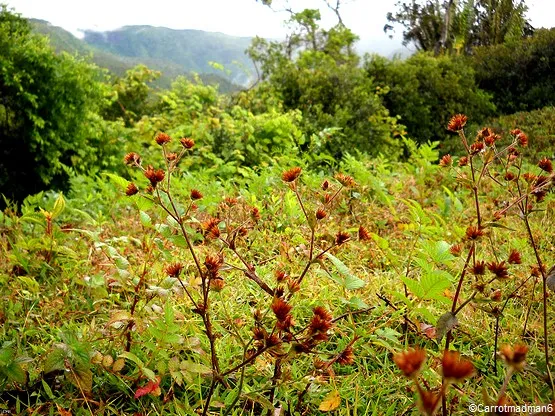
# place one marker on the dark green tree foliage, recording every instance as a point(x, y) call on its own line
point(317, 72)
point(425, 91)
point(130, 95)
point(47, 107)
point(459, 26)
point(520, 75)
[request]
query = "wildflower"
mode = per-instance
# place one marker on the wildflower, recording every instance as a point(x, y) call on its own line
point(446, 161)
point(132, 159)
point(514, 257)
point(347, 356)
point(341, 238)
point(321, 214)
point(196, 194)
point(345, 180)
point(173, 270)
point(522, 139)
point(291, 175)
point(131, 189)
point(410, 362)
point(463, 161)
point(162, 139)
point(154, 175)
point(456, 249)
point(454, 367)
point(514, 356)
point(498, 269)
point(187, 142)
point(363, 234)
point(457, 122)
point(473, 233)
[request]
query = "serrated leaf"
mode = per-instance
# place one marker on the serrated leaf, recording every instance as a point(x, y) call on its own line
point(143, 203)
point(118, 180)
point(55, 360)
point(445, 323)
point(330, 402)
point(350, 281)
point(145, 219)
point(196, 368)
point(14, 372)
point(82, 378)
point(59, 206)
point(380, 241)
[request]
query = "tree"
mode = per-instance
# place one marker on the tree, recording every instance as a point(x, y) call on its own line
point(316, 71)
point(459, 26)
point(49, 125)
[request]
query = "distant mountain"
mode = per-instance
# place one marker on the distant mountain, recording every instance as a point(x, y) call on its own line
point(173, 52)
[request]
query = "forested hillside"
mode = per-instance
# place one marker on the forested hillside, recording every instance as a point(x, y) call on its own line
point(350, 235)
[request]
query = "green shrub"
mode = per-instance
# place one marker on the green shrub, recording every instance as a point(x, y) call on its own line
point(425, 91)
point(519, 74)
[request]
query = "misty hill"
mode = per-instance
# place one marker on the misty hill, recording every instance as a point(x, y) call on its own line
point(173, 52)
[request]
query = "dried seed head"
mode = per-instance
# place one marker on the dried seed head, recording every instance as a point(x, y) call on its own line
point(154, 175)
point(217, 285)
point(345, 180)
point(211, 229)
point(410, 361)
point(320, 324)
point(456, 368)
point(457, 122)
point(491, 139)
point(162, 138)
point(281, 308)
point(479, 268)
point(546, 165)
point(498, 269)
point(325, 185)
point(320, 214)
point(463, 161)
point(173, 270)
point(213, 264)
point(293, 286)
point(473, 233)
point(132, 159)
point(131, 189)
point(291, 175)
point(510, 176)
point(456, 249)
point(446, 161)
point(496, 295)
point(428, 401)
point(170, 157)
point(347, 357)
point(281, 275)
point(476, 148)
point(514, 356)
point(341, 238)
point(187, 142)
point(255, 214)
point(514, 257)
point(522, 139)
point(363, 234)
point(196, 194)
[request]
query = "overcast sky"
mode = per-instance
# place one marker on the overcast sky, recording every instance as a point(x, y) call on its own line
point(234, 17)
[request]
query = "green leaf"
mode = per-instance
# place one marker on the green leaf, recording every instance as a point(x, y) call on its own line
point(143, 203)
point(55, 360)
point(350, 281)
point(145, 219)
point(59, 206)
point(118, 180)
point(196, 368)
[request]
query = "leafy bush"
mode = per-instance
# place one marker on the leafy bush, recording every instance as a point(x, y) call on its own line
point(49, 125)
point(425, 91)
point(519, 74)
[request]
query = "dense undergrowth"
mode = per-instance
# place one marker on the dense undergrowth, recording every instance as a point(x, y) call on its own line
point(290, 291)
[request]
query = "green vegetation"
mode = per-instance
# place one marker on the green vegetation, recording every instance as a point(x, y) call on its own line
point(306, 246)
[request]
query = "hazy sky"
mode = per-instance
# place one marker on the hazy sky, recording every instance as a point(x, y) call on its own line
point(234, 17)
